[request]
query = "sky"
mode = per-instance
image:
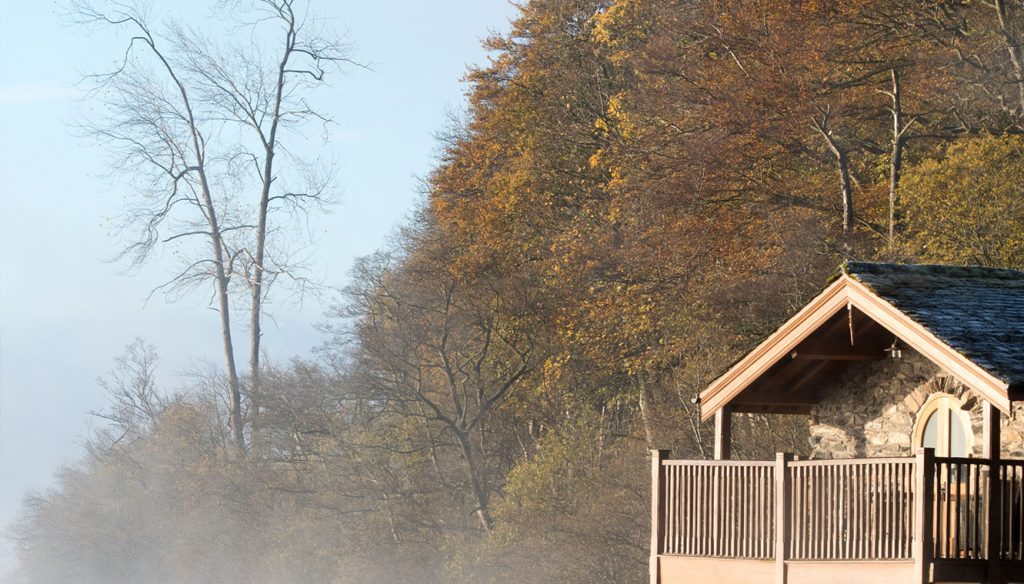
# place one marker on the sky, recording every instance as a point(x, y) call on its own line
point(66, 310)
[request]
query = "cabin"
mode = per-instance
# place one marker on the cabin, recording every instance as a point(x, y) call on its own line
point(912, 379)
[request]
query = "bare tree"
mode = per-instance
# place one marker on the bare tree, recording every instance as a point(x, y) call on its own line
point(434, 347)
point(842, 155)
point(900, 126)
point(135, 403)
point(201, 127)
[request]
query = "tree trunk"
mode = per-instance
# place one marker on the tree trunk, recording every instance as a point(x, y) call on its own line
point(221, 281)
point(483, 512)
point(646, 414)
point(844, 183)
point(1012, 48)
point(895, 170)
point(234, 387)
point(899, 141)
point(256, 285)
point(843, 164)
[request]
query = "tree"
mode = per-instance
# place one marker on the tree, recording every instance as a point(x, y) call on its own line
point(135, 402)
point(207, 132)
point(965, 207)
point(446, 350)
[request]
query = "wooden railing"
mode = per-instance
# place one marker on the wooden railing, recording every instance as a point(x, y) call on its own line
point(719, 509)
point(852, 509)
point(1011, 497)
point(923, 509)
point(963, 524)
point(960, 508)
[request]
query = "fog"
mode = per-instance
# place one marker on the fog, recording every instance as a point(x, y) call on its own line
point(384, 315)
point(66, 311)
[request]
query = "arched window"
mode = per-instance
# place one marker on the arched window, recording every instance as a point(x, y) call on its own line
point(942, 424)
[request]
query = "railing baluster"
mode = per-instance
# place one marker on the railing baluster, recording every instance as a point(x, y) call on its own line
point(854, 507)
point(745, 506)
point(670, 504)
point(892, 490)
point(799, 500)
point(976, 506)
point(701, 518)
point(750, 538)
point(691, 511)
point(734, 515)
point(890, 498)
point(1015, 495)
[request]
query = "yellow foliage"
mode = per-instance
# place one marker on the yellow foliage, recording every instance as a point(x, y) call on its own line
point(966, 207)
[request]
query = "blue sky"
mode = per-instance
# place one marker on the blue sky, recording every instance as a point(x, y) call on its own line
point(66, 312)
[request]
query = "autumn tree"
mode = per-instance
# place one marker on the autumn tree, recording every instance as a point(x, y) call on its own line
point(638, 191)
point(964, 207)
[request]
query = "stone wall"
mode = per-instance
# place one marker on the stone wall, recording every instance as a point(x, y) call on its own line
point(871, 409)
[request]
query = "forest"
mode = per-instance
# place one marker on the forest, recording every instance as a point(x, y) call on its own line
point(638, 192)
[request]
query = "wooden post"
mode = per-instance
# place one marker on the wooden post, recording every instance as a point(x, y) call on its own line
point(991, 418)
point(782, 503)
point(723, 433)
point(657, 507)
point(990, 450)
point(924, 470)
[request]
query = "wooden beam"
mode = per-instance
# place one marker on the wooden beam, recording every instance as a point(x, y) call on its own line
point(838, 356)
point(991, 440)
point(791, 370)
point(996, 512)
point(924, 470)
point(723, 433)
point(782, 504)
point(834, 338)
point(788, 409)
point(787, 381)
point(768, 402)
point(657, 510)
point(818, 367)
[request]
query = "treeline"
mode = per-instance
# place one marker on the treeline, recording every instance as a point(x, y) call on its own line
point(638, 192)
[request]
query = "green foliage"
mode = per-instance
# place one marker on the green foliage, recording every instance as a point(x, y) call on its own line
point(965, 207)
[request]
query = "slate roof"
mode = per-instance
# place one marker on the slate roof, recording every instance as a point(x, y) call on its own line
point(977, 311)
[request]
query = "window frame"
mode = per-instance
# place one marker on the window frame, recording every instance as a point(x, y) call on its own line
point(946, 406)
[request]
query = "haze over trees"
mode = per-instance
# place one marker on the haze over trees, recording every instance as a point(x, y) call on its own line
point(202, 129)
point(639, 191)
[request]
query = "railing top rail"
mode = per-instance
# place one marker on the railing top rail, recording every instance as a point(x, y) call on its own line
point(747, 463)
point(851, 462)
point(965, 460)
point(837, 462)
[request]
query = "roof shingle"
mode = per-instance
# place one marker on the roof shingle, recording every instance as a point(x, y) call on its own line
point(977, 311)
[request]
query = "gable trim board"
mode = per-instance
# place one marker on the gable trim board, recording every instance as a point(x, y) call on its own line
point(847, 292)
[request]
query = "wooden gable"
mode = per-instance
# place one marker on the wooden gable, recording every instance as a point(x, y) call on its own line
point(847, 322)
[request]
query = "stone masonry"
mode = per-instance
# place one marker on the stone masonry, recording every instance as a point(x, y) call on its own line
point(871, 409)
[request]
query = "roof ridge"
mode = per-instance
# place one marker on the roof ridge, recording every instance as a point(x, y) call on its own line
point(854, 267)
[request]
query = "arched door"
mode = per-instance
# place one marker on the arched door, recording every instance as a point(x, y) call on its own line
point(942, 424)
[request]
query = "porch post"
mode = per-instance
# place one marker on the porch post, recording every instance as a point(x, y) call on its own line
point(924, 470)
point(657, 507)
point(991, 418)
point(782, 503)
point(990, 450)
point(723, 433)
